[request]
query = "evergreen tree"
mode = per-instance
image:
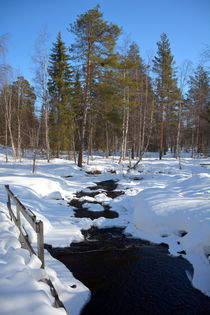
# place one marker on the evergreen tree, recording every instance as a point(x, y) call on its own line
point(199, 110)
point(166, 91)
point(108, 108)
point(94, 43)
point(141, 96)
point(59, 87)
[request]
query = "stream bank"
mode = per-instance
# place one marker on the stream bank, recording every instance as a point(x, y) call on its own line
point(127, 275)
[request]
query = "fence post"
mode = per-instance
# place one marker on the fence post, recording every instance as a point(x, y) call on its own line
point(8, 201)
point(18, 216)
point(40, 242)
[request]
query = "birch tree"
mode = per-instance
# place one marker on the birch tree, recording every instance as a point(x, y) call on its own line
point(184, 71)
point(41, 78)
point(5, 97)
point(23, 100)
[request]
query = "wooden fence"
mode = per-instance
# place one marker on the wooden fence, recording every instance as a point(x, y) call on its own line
point(37, 226)
point(31, 218)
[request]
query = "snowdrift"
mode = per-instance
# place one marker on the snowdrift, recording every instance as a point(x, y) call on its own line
point(180, 217)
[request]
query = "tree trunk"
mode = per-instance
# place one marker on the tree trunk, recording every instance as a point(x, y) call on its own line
point(126, 115)
point(132, 153)
point(125, 135)
point(107, 141)
point(82, 138)
point(19, 114)
point(161, 133)
point(90, 144)
point(47, 142)
point(177, 149)
point(34, 163)
point(85, 108)
point(148, 139)
point(8, 118)
point(6, 141)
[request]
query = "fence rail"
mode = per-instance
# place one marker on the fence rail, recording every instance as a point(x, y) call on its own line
point(24, 239)
point(37, 225)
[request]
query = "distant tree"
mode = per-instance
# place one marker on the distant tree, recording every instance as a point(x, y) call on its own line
point(206, 55)
point(141, 101)
point(108, 108)
point(59, 85)
point(4, 67)
point(199, 110)
point(7, 109)
point(77, 97)
point(166, 91)
point(126, 65)
point(5, 93)
point(41, 78)
point(184, 72)
point(24, 119)
point(94, 43)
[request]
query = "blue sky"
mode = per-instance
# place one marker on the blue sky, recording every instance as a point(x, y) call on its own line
point(186, 22)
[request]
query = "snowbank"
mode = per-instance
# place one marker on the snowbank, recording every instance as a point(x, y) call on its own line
point(161, 204)
point(21, 289)
point(179, 215)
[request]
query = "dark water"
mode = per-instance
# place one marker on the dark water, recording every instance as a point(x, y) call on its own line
point(129, 276)
point(108, 187)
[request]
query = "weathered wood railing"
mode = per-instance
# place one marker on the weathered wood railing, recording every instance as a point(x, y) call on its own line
point(37, 225)
point(24, 239)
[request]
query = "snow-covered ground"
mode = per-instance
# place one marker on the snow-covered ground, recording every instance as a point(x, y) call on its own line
point(161, 203)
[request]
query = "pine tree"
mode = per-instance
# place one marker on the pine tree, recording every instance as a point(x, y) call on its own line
point(94, 42)
point(59, 87)
point(142, 99)
point(166, 91)
point(108, 108)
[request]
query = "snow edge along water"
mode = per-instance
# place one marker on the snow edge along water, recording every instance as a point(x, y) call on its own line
point(142, 209)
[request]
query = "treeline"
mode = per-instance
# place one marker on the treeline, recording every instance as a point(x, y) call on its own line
point(93, 97)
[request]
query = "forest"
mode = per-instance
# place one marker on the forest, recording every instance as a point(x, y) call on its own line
point(91, 96)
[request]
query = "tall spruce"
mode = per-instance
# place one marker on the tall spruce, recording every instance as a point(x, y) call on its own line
point(59, 86)
point(94, 42)
point(166, 92)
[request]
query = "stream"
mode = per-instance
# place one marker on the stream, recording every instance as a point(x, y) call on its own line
point(128, 276)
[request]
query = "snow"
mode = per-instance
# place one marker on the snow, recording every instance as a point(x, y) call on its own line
point(161, 203)
point(21, 290)
point(93, 206)
point(102, 197)
point(170, 211)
